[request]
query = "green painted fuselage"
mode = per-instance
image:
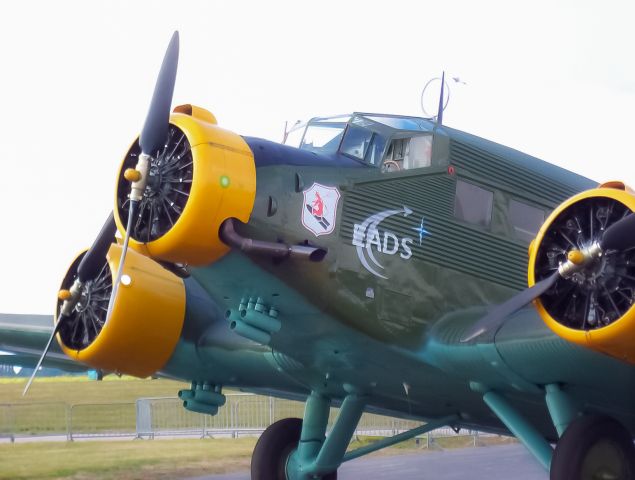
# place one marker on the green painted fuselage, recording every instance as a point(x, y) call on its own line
point(392, 330)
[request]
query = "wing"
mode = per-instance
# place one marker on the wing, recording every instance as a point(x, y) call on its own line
point(24, 337)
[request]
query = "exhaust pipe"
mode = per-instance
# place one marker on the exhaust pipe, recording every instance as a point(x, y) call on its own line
point(230, 237)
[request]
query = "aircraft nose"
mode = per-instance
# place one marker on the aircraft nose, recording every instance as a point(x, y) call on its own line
point(202, 176)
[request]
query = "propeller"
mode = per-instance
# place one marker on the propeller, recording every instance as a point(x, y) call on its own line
point(92, 262)
point(151, 140)
point(87, 270)
point(619, 236)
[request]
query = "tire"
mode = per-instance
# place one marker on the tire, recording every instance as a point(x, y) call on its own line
point(594, 447)
point(278, 441)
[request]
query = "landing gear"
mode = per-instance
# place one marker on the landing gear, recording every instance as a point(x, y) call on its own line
point(269, 460)
point(594, 447)
point(294, 449)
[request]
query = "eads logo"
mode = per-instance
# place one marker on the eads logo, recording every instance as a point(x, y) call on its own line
point(368, 237)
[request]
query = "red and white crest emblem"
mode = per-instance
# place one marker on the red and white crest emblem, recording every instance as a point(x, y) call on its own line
point(319, 209)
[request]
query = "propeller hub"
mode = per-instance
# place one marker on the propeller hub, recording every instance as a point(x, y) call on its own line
point(576, 257)
point(84, 299)
point(586, 259)
point(132, 175)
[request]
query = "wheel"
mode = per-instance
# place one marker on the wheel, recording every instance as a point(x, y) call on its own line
point(594, 447)
point(269, 460)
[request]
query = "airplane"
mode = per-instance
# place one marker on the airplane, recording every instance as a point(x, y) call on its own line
point(374, 262)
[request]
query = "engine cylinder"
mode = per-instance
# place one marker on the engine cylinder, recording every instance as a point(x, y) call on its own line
point(146, 321)
point(202, 176)
point(592, 307)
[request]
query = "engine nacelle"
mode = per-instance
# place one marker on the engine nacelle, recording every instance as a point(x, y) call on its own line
point(594, 306)
point(147, 317)
point(202, 176)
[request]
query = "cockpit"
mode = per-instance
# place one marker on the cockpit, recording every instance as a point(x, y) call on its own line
point(390, 142)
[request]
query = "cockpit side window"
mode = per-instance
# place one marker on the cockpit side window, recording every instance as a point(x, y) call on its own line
point(419, 152)
point(356, 142)
point(376, 150)
point(408, 153)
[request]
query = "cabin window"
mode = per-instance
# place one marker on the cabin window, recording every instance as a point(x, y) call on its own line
point(408, 153)
point(473, 204)
point(525, 219)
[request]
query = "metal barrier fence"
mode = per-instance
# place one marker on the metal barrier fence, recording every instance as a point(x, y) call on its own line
point(34, 419)
point(243, 414)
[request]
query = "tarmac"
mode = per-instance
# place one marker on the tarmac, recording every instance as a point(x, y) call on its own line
point(504, 461)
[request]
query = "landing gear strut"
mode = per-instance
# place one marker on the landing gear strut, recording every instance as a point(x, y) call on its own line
point(591, 447)
point(294, 449)
point(594, 447)
point(269, 460)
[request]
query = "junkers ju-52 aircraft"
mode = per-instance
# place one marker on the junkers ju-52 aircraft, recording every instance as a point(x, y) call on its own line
point(380, 264)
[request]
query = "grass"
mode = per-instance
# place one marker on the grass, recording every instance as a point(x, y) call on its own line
point(126, 460)
point(437, 443)
point(106, 406)
point(81, 390)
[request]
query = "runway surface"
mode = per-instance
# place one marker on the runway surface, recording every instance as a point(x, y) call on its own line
point(506, 461)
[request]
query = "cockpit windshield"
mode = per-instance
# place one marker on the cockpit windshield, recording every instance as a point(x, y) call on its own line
point(323, 135)
point(371, 139)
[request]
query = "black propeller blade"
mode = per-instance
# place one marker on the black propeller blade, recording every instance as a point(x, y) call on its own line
point(497, 316)
point(93, 261)
point(619, 236)
point(155, 128)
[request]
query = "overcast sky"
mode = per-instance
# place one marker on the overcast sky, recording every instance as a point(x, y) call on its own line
point(556, 80)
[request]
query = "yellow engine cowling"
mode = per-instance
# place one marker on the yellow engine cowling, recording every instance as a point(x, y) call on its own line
point(190, 200)
point(147, 317)
point(593, 308)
